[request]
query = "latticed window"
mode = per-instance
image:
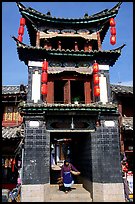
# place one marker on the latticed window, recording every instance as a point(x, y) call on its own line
point(11, 114)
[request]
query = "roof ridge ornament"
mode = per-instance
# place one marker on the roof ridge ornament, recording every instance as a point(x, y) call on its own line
point(20, 5)
point(116, 7)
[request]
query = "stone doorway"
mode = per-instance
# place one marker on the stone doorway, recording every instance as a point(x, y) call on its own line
point(72, 145)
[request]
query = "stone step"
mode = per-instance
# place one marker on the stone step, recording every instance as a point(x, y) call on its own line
point(77, 194)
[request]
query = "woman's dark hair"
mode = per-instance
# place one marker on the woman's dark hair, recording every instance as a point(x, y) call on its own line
point(67, 160)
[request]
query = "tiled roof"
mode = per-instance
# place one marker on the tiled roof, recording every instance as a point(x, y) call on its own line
point(12, 132)
point(127, 123)
point(14, 89)
point(37, 14)
point(36, 20)
point(10, 89)
point(27, 52)
point(94, 107)
point(119, 89)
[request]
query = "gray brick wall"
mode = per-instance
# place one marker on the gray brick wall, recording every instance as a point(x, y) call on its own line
point(36, 168)
point(105, 151)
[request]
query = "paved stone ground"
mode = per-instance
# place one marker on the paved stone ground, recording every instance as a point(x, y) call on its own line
point(77, 194)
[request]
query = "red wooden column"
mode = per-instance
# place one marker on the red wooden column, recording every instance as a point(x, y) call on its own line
point(99, 41)
point(76, 46)
point(87, 92)
point(50, 94)
point(120, 123)
point(59, 45)
point(89, 45)
point(67, 92)
point(38, 39)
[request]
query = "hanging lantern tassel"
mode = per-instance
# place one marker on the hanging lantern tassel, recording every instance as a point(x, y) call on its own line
point(97, 91)
point(113, 39)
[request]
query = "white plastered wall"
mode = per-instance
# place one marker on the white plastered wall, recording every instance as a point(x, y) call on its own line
point(36, 86)
point(103, 84)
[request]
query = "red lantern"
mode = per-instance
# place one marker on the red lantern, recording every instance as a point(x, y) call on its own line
point(113, 39)
point(45, 66)
point(21, 30)
point(20, 38)
point(113, 30)
point(95, 67)
point(96, 79)
point(44, 89)
point(112, 22)
point(22, 22)
point(97, 91)
point(44, 77)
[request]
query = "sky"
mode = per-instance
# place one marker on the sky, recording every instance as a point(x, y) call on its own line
point(15, 72)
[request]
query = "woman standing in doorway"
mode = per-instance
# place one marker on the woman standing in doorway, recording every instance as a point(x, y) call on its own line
point(66, 175)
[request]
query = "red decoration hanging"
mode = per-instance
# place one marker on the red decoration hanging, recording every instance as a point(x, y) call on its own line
point(13, 165)
point(45, 66)
point(21, 30)
point(44, 89)
point(96, 91)
point(112, 22)
point(44, 77)
point(96, 79)
point(113, 39)
point(20, 38)
point(113, 31)
point(95, 67)
point(22, 22)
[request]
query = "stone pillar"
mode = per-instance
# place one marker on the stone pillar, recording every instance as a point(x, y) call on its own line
point(36, 162)
point(106, 165)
